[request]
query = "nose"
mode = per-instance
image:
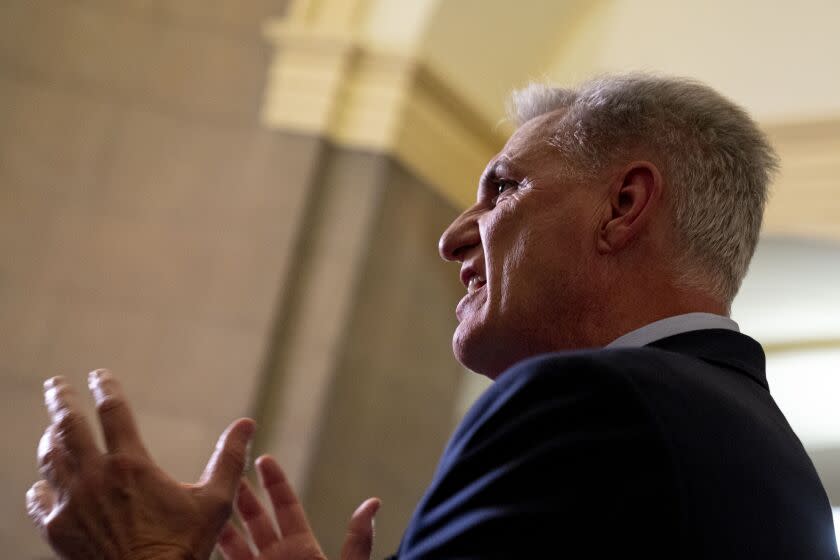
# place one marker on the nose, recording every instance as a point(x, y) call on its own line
point(461, 235)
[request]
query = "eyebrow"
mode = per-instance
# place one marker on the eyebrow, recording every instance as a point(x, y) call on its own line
point(499, 169)
point(503, 167)
point(487, 179)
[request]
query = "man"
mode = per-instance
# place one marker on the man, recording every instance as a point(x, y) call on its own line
point(629, 417)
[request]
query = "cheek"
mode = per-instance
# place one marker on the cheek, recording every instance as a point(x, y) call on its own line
point(536, 261)
point(513, 258)
point(502, 233)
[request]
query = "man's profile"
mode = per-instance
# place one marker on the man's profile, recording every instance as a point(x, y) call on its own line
point(629, 416)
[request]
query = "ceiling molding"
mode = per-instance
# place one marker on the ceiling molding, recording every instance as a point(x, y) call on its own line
point(804, 199)
point(807, 345)
point(378, 99)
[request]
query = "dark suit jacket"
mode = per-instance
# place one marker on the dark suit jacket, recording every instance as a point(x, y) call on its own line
point(673, 450)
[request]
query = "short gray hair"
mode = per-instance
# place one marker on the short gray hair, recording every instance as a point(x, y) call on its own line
point(716, 162)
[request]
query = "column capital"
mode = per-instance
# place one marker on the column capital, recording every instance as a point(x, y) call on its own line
point(362, 93)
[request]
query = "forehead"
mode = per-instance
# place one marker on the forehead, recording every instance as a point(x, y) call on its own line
point(529, 146)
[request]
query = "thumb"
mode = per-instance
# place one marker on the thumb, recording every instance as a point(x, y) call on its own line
point(224, 469)
point(358, 543)
point(40, 500)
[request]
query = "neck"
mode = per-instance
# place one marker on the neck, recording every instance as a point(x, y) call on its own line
point(633, 311)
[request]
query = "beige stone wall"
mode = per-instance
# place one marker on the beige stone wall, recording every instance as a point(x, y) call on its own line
point(146, 219)
point(150, 224)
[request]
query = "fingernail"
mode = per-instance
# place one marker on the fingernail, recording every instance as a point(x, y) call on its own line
point(97, 376)
point(54, 395)
point(33, 502)
point(365, 503)
point(53, 382)
point(249, 463)
point(37, 491)
point(96, 382)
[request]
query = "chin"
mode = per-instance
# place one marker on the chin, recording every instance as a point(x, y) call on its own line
point(481, 350)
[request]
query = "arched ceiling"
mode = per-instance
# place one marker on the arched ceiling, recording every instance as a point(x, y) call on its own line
point(777, 61)
point(485, 48)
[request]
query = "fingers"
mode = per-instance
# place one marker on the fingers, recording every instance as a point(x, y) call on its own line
point(287, 509)
point(118, 425)
point(71, 428)
point(40, 500)
point(68, 442)
point(255, 518)
point(358, 542)
point(224, 469)
point(233, 545)
point(54, 463)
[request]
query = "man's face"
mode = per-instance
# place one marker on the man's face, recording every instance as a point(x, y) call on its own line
point(526, 248)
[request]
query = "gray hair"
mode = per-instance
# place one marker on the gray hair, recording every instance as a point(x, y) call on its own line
point(716, 161)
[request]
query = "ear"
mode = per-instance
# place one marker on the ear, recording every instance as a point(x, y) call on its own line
point(634, 195)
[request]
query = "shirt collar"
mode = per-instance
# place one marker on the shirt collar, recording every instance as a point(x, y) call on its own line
point(670, 326)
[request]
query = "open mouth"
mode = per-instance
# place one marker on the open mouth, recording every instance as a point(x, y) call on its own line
point(474, 287)
point(476, 283)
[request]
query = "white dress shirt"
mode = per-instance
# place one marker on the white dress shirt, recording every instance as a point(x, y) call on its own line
point(670, 326)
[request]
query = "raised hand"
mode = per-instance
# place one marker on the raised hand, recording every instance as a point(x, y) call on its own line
point(120, 504)
point(296, 540)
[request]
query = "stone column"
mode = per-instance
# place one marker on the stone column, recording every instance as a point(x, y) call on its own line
point(360, 390)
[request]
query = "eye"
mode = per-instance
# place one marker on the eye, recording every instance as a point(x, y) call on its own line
point(506, 185)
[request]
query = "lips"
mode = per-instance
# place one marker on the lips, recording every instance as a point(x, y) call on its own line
point(472, 299)
point(472, 277)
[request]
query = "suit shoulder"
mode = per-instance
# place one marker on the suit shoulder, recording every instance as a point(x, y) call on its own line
point(539, 455)
point(607, 370)
point(589, 389)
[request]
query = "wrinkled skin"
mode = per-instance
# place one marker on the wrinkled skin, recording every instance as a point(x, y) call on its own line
point(531, 234)
point(565, 259)
point(120, 505)
point(297, 540)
